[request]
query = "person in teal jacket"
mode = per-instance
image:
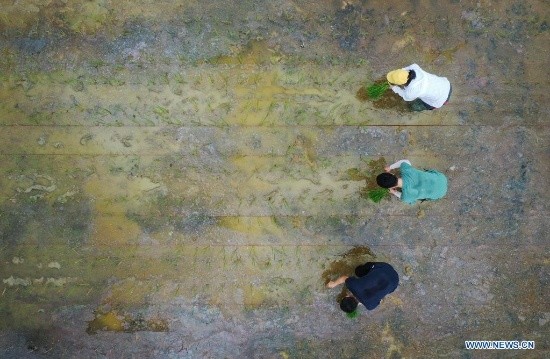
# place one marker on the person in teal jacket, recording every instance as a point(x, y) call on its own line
point(414, 184)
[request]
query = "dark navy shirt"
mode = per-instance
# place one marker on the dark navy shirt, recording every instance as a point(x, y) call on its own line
point(380, 281)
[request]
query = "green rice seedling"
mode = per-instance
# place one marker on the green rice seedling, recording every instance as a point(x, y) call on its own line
point(353, 315)
point(376, 90)
point(378, 194)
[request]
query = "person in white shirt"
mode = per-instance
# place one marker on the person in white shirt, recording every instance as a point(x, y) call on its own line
point(426, 91)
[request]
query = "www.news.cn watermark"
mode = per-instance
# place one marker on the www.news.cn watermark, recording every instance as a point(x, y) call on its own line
point(499, 344)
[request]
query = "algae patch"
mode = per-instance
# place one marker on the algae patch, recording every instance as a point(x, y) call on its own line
point(358, 252)
point(113, 322)
point(347, 263)
point(25, 282)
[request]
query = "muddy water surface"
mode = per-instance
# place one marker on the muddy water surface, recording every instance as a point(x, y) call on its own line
point(194, 173)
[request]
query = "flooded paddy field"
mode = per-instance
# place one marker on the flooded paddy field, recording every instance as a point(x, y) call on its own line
point(181, 179)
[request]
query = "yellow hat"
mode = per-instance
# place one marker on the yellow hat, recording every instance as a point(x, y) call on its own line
point(398, 77)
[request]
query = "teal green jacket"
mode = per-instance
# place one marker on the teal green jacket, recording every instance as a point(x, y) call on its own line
point(418, 185)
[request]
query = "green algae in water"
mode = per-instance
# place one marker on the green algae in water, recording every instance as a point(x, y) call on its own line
point(113, 322)
point(355, 174)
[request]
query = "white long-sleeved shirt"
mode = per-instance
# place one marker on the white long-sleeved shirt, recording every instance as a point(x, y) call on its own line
point(431, 89)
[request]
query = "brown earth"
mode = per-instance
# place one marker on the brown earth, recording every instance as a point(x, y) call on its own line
point(181, 179)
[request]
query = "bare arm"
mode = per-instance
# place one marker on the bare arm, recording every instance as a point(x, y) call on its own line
point(395, 192)
point(398, 90)
point(337, 282)
point(397, 165)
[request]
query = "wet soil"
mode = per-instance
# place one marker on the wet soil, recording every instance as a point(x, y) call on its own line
point(181, 179)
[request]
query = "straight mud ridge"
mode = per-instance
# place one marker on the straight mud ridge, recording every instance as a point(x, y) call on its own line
point(183, 179)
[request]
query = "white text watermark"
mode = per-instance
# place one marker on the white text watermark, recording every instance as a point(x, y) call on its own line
point(499, 344)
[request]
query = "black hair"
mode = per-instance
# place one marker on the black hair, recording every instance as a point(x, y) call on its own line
point(363, 269)
point(410, 77)
point(386, 180)
point(348, 304)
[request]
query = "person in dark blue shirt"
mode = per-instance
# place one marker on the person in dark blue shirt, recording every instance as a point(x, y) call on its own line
point(373, 281)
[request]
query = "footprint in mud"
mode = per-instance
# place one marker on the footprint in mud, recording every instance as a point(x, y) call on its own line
point(126, 140)
point(37, 183)
point(86, 138)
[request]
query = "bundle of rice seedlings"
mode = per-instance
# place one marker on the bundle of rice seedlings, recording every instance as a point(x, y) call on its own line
point(376, 91)
point(378, 194)
point(353, 315)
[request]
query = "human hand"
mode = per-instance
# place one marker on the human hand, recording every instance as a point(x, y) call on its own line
point(387, 169)
point(337, 282)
